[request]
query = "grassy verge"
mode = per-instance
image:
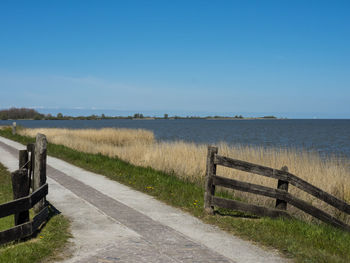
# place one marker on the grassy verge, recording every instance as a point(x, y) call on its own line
point(48, 243)
point(5, 196)
point(188, 161)
point(304, 242)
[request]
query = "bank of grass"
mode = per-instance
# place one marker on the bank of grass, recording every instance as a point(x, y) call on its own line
point(5, 196)
point(103, 137)
point(301, 241)
point(46, 246)
point(188, 161)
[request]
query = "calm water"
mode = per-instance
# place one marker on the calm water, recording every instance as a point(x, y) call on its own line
point(324, 136)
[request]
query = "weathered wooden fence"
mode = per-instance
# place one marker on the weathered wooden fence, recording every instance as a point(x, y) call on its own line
point(281, 193)
point(31, 176)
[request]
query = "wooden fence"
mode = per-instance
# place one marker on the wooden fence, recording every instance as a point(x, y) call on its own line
point(281, 193)
point(31, 176)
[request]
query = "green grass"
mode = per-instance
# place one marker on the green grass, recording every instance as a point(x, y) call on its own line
point(48, 243)
point(5, 196)
point(304, 242)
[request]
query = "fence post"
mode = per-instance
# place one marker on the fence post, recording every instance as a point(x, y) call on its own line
point(14, 128)
point(23, 159)
point(209, 187)
point(39, 177)
point(20, 186)
point(30, 149)
point(282, 185)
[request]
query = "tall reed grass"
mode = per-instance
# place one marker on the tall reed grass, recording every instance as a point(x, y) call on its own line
point(105, 136)
point(188, 161)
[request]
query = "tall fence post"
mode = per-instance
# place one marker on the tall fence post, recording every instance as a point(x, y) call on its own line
point(14, 128)
point(23, 159)
point(20, 186)
point(39, 177)
point(30, 149)
point(282, 185)
point(209, 187)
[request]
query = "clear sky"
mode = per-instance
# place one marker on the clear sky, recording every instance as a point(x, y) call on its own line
point(286, 58)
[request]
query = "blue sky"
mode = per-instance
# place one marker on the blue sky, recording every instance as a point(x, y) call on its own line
point(286, 58)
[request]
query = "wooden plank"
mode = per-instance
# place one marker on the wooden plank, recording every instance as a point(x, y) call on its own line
point(285, 176)
point(248, 187)
point(15, 206)
point(282, 195)
point(249, 208)
point(40, 167)
point(24, 203)
point(39, 194)
point(209, 186)
point(245, 166)
point(25, 229)
point(20, 186)
point(40, 218)
point(316, 212)
point(16, 233)
point(282, 185)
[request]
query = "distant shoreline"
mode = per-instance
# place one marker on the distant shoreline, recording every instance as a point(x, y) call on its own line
point(31, 114)
point(69, 118)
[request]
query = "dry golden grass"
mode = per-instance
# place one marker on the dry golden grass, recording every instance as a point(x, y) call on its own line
point(188, 161)
point(108, 136)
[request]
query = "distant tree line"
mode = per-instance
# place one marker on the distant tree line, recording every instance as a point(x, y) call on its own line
point(138, 116)
point(270, 117)
point(20, 113)
point(25, 113)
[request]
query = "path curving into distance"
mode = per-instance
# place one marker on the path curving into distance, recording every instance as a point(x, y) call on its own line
point(111, 222)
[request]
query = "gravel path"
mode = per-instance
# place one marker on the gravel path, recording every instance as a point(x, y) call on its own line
point(114, 223)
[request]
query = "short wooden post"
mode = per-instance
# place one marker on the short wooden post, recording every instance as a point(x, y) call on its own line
point(20, 186)
point(209, 187)
point(14, 128)
point(39, 167)
point(282, 185)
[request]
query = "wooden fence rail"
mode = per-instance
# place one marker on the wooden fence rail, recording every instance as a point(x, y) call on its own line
point(31, 174)
point(19, 205)
point(281, 193)
point(24, 203)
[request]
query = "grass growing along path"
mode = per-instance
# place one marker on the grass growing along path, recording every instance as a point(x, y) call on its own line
point(304, 242)
point(45, 246)
point(5, 196)
point(188, 161)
